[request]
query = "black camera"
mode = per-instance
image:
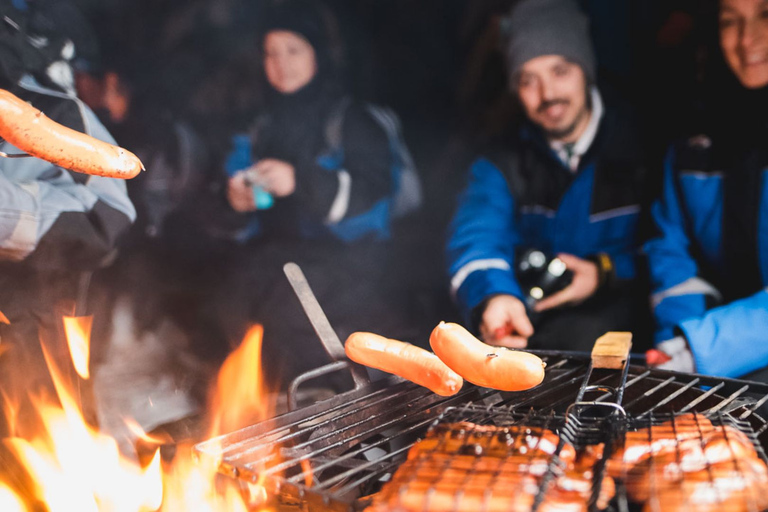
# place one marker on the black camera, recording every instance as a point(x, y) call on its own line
point(540, 275)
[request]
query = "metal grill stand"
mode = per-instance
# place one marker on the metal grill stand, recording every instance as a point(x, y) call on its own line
point(333, 455)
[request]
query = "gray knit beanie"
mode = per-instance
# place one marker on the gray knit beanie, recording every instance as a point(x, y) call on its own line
point(549, 27)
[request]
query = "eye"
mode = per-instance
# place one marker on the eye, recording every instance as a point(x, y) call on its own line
point(525, 81)
point(561, 70)
point(728, 22)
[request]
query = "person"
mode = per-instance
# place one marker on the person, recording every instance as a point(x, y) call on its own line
point(566, 181)
point(312, 182)
point(57, 226)
point(709, 260)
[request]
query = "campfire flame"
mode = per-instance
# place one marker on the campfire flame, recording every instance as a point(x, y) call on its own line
point(240, 377)
point(9, 502)
point(73, 466)
point(78, 331)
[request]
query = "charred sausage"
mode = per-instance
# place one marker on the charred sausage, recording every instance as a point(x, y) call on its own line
point(403, 359)
point(33, 132)
point(484, 365)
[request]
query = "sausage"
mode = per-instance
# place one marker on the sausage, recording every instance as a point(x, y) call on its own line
point(403, 359)
point(33, 132)
point(484, 365)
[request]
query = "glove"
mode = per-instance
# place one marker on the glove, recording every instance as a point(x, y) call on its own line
point(672, 354)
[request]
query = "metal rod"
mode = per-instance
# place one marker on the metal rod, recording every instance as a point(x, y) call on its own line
point(320, 322)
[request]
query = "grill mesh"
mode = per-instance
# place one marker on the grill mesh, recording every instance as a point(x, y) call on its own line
point(334, 454)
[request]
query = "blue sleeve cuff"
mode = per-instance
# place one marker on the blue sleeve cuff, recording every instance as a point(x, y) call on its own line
point(729, 341)
point(481, 284)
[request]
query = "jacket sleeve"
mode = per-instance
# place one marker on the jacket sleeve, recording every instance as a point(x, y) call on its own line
point(481, 240)
point(54, 218)
point(348, 191)
point(678, 293)
point(730, 340)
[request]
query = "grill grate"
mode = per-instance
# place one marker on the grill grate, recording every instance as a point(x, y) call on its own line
point(333, 454)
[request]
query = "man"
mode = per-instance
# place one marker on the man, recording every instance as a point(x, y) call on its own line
point(567, 182)
point(709, 260)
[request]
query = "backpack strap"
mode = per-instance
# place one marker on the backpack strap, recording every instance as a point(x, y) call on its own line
point(406, 185)
point(334, 128)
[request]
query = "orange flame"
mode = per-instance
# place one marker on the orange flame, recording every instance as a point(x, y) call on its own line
point(241, 396)
point(75, 467)
point(78, 332)
point(9, 501)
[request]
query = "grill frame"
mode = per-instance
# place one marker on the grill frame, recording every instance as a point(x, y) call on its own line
point(381, 420)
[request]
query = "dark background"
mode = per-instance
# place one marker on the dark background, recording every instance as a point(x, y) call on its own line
point(437, 63)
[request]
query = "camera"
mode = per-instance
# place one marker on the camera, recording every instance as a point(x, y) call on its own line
point(540, 275)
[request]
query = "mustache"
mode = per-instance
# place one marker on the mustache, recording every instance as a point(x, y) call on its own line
point(550, 103)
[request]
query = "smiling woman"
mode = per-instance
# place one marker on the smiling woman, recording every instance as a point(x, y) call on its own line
point(744, 40)
point(711, 303)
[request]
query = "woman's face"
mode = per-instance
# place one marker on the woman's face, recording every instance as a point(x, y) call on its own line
point(744, 39)
point(289, 61)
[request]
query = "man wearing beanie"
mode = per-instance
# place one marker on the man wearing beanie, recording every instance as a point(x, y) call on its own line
point(565, 182)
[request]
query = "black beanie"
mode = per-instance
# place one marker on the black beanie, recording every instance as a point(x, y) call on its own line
point(301, 17)
point(549, 27)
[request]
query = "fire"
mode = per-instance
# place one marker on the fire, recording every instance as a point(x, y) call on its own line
point(78, 330)
point(240, 395)
point(9, 502)
point(73, 466)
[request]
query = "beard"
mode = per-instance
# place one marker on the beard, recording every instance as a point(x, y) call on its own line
point(567, 131)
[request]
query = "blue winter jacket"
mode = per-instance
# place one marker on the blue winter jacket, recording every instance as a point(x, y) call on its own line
point(524, 197)
point(727, 339)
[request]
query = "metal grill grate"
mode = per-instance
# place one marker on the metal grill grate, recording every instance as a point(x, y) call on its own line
point(334, 454)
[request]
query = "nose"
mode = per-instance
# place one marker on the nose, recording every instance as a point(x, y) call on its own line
point(545, 89)
point(751, 32)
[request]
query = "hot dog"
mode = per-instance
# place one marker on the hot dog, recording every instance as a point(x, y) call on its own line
point(33, 132)
point(403, 359)
point(484, 365)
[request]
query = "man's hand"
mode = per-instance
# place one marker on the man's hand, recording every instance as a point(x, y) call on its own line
point(275, 176)
point(505, 322)
point(240, 193)
point(584, 284)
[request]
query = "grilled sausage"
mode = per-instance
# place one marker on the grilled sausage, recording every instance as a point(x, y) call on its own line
point(484, 365)
point(32, 132)
point(403, 359)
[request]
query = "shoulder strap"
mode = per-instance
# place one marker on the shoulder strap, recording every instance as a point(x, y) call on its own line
point(334, 129)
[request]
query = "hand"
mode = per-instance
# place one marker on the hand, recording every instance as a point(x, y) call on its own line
point(586, 277)
point(672, 354)
point(275, 176)
point(505, 322)
point(240, 193)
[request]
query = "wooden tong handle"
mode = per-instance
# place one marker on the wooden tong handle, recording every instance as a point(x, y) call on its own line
point(611, 350)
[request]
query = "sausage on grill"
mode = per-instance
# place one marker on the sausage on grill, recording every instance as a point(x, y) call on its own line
point(34, 133)
point(466, 467)
point(403, 359)
point(484, 365)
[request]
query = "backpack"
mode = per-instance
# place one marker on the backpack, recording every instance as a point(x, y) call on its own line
point(406, 185)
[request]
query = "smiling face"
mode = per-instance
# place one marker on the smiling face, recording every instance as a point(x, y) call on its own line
point(553, 92)
point(289, 61)
point(744, 40)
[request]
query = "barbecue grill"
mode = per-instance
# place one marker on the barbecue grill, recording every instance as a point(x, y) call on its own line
point(336, 454)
